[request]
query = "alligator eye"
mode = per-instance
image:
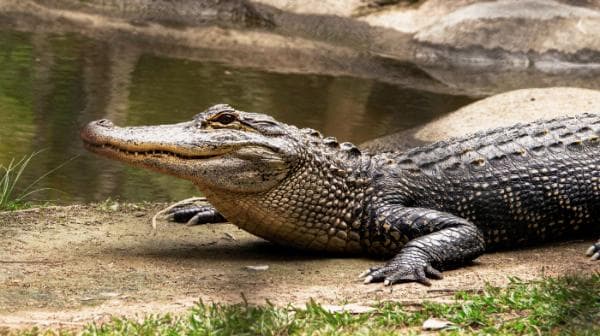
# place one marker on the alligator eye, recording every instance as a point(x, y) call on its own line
point(225, 118)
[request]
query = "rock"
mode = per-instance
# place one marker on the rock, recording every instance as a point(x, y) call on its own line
point(257, 268)
point(505, 109)
point(182, 13)
point(518, 27)
point(314, 7)
point(436, 324)
point(540, 42)
point(230, 236)
point(512, 107)
point(412, 19)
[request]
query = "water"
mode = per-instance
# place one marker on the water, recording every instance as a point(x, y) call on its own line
point(51, 84)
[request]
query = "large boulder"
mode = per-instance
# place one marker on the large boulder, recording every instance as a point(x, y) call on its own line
point(537, 26)
point(519, 106)
point(492, 46)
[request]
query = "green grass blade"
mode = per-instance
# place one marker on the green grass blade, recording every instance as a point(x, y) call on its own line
point(11, 175)
point(24, 164)
point(24, 196)
point(25, 191)
point(6, 183)
point(20, 166)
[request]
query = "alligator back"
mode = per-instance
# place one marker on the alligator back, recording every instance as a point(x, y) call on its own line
point(519, 185)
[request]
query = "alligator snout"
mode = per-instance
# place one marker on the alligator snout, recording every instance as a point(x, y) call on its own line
point(91, 132)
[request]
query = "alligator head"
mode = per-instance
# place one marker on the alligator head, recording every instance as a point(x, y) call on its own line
point(274, 180)
point(220, 148)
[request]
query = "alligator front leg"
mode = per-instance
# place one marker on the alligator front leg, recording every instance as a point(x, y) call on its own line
point(436, 241)
point(189, 212)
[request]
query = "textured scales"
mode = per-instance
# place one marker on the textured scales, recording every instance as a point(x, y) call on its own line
point(431, 208)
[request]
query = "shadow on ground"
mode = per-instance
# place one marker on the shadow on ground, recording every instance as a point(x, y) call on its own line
point(72, 265)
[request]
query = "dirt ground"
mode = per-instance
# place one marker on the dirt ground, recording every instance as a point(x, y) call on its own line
point(66, 266)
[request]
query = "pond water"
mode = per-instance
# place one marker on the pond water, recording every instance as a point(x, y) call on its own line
point(51, 84)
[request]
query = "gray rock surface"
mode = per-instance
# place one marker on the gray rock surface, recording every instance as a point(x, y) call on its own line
point(504, 44)
point(411, 18)
point(519, 106)
point(517, 26)
point(180, 13)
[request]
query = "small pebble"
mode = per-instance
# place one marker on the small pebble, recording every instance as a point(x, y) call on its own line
point(436, 324)
point(257, 268)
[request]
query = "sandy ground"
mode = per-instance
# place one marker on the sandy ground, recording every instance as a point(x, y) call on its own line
point(66, 266)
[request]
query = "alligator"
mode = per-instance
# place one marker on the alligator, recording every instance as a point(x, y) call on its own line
point(429, 209)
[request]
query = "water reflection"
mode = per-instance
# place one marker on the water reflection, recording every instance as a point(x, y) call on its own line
point(50, 84)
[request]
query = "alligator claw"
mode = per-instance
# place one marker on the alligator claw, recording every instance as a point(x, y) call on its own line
point(186, 211)
point(367, 272)
point(195, 215)
point(195, 220)
point(393, 273)
point(594, 251)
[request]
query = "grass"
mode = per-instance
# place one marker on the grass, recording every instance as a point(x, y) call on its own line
point(567, 305)
point(12, 197)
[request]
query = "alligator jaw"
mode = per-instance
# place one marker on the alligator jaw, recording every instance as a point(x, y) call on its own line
point(132, 154)
point(164, 148)
point(212, 158)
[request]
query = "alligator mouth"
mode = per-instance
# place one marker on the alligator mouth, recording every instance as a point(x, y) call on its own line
point(120, 152)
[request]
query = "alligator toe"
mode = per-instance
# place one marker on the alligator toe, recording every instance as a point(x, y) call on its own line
point(193, 214)
point(375, 274)
point(594, 251)
point(393, 273)
point(185, 213)
point(413, 273)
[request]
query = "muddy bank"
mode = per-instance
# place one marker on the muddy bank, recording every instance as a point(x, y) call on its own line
point(71, 265)
point(470, 47)
point(262, 49)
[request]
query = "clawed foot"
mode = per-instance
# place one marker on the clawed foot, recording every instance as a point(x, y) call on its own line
point(189, 212)
point(195, 215)
point(594, 251)
point(398, 271)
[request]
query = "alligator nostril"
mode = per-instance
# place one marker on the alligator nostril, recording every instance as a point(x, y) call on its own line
point(105, 123)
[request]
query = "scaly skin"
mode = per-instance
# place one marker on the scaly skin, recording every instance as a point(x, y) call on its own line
point(431, 208)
